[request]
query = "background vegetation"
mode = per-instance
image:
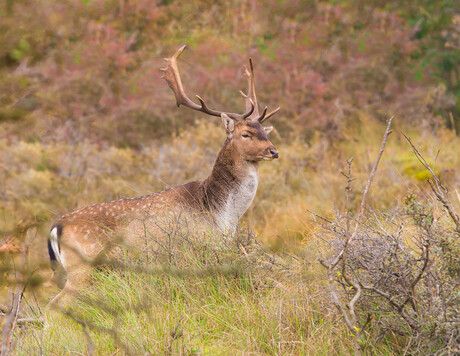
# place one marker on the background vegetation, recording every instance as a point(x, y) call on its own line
point(85, 117)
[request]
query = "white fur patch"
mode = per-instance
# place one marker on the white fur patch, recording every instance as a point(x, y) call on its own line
point(238, 201)
point(55, 246)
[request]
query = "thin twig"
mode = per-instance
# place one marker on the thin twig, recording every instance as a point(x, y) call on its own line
point(436, 186)
point(371, 177)
point(6, 240)
point(366, 192)
point(10, 322)
point(319, 216)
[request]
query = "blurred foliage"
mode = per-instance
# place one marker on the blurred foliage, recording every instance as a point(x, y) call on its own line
point(86, 117)
point(90, 68)
point(412, 167)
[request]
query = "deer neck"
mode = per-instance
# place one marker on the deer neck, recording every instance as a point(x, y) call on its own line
point(231, 187)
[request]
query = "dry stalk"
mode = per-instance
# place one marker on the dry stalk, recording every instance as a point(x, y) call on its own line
point(371, 178)
point(348, 309)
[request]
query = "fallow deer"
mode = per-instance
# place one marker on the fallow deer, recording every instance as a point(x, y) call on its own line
point(218, 202)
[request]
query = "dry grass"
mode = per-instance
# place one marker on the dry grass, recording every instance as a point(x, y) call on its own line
point(253, 303)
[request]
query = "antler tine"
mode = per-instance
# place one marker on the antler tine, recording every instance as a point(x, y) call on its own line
point(261, 117)
point(204, 107)
point(251, 97)
point(264, 118)
point(172, 77)
point(250, 110)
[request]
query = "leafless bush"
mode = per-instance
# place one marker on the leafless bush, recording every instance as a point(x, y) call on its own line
point(397, 275)
point(407, 279)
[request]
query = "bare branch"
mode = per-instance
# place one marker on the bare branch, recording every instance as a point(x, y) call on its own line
point(436, 186)
point(371, 177)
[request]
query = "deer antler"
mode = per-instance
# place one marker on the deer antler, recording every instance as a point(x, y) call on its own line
point(252, 98)
point(172, 77)
point(262, 118)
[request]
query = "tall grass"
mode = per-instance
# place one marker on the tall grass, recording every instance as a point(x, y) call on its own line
point(254, 302)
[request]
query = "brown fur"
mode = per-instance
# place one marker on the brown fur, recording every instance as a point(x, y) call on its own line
point(86, 232)
point(231, 165)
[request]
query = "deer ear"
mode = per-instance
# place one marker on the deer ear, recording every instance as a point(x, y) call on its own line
point(229, 123)
point(268, 129)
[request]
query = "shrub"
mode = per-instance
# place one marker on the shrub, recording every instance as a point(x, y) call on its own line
point(396, 277)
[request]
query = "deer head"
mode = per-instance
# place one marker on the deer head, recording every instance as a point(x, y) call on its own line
point(244, 131)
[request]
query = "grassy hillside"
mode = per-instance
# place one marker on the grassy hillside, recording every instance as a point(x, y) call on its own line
point(85, 117)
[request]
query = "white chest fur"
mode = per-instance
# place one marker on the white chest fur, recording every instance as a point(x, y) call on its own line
point(238, 201)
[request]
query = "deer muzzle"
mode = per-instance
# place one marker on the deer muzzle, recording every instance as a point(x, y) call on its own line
point(271, 152)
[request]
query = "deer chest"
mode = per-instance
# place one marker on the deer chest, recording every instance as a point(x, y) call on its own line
point(237, 202)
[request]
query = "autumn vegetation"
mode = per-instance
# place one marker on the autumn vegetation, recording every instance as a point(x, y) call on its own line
point(85, 117)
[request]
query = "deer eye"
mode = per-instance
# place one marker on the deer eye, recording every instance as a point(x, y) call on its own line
point(245, 135)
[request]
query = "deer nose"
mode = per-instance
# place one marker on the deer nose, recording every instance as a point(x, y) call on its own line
point(273, 152)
